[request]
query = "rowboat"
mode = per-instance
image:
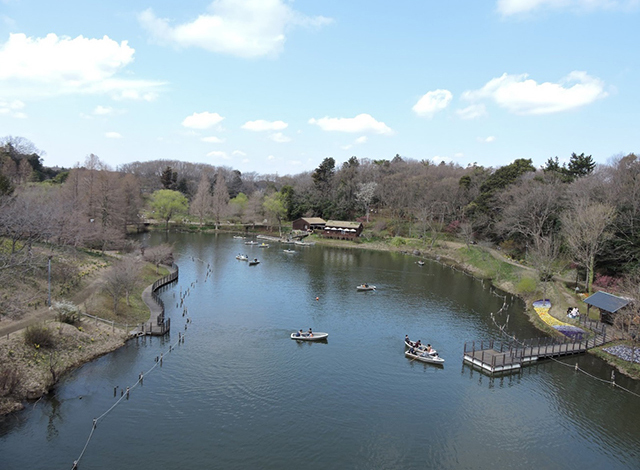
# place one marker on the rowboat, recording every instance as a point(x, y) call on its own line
point(424, 357)
point(420, 263)
point(263, 245)
point(365, 287)
point(289, 251)
point(253, 262)
point(238, 237)
point(252, 242)
point(317, 336)
point(242, 257)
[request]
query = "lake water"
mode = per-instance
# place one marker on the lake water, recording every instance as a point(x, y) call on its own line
point(239, 393)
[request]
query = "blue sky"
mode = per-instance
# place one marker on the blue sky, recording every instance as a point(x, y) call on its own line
point(276, 86)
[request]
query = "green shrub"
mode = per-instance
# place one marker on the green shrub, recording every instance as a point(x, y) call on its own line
point(39, 336)
point(397, 241)
point(527, 285)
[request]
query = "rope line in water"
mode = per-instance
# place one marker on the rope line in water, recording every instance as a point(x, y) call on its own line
point(159, 359)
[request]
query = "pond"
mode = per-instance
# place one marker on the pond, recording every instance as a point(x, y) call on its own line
point(240, 393)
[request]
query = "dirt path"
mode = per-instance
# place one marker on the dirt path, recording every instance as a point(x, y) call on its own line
point(7, 326)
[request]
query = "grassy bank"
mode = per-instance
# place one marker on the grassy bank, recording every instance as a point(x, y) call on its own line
point(47, 346)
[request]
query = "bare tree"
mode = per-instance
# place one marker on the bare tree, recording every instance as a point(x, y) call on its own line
point(220, 199)
point(365, 195)
point(585, 227)
point(202, 203)
point(159, 254)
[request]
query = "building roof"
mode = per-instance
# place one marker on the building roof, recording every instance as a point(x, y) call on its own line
point(607, 302)
point(342, 224)
point(313, 220)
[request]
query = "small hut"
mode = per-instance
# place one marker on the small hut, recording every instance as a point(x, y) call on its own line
point(608, 304)
point(308, 223)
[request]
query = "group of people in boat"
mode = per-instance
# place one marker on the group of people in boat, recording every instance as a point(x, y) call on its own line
point(307, 334)
point(419, 349)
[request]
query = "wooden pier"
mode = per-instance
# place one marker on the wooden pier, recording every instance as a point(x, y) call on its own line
point(157, 325)
point(504, 356)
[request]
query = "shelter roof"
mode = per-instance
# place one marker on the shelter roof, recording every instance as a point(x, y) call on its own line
point(342, 224)
point(607, 302)
point(313, 220)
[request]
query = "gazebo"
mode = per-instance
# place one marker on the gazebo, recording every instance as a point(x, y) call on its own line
point(608, 304)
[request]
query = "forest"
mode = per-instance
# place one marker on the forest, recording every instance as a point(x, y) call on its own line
point(578, 214)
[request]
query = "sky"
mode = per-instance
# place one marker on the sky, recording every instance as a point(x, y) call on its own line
point(276, 86)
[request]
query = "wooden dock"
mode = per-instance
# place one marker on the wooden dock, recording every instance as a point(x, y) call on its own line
point(500, 356)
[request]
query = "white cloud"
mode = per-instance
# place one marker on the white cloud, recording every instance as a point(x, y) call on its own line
point(432, 102)
point(212, 140)
point(53, 66)
point(473, 111)
point(346, 147)
point(113, 135)
point(487, 140)
point(280, 138)
point(518, 7)
point(271, 157)
point(362, 140)
point(219, 154)
point(520, 95)
point(103, 111)
point(202, 120)
point(243, 28)
point(360, 123)
point(262, 125)
point(239, 153)
point(12, 108)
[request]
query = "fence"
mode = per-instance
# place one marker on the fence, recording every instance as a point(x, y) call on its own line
point(168, 279)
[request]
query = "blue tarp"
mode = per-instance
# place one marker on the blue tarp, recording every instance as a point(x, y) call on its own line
point(607, 302)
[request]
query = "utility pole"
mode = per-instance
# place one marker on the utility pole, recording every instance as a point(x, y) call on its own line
point(49, 299)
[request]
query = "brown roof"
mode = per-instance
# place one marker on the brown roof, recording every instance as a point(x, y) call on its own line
point(313, 220)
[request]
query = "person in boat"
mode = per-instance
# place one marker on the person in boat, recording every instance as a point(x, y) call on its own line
point(406, 339)
point(417, 344)
point(299, 333)
point(310, 334)
point(412, 350)
point(430, 350)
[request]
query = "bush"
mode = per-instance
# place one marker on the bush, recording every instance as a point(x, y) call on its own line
point(67, 312)
point(39, 336)
point(397, 241)
point(527, 285)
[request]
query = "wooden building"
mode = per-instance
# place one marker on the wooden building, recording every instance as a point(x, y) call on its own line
point(308, 223)
point(342, 230)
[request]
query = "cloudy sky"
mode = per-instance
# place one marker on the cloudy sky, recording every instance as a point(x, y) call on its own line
point(275, 86)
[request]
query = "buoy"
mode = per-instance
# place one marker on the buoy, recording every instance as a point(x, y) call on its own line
point(317, 298)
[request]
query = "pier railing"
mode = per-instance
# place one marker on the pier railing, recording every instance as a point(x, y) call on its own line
point(168, 279)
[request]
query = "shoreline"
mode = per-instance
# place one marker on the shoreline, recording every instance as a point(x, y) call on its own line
point(33, 379)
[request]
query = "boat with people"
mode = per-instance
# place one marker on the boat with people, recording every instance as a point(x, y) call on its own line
point(418, 346)
point(238, 237)
point(420, 263)
point(415, 355)
point(251, 242)
point(263, 245)
point(289, 251)
point(315, 336)
point(242, 257)
point(365, 287)
point(253, 262)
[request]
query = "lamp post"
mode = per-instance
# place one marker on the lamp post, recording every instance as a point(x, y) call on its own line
point(49, 298)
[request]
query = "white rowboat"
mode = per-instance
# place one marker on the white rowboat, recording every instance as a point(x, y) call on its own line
point(425, 357)
point(317, 336)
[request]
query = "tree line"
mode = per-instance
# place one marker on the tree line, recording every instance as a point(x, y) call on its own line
point(580, 212)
